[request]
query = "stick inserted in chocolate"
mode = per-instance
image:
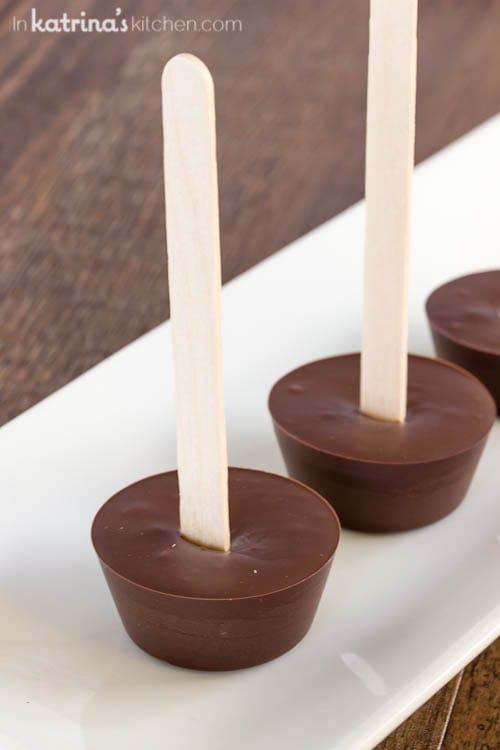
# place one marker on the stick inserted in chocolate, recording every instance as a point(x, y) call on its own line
point(390, 138)
point(194, 268)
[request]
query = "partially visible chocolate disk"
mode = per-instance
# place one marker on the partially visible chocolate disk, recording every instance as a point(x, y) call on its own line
point(383, 476)
point(206, 609)
point(464, 316)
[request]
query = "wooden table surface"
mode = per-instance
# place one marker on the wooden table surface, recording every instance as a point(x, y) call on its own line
point(82, 255)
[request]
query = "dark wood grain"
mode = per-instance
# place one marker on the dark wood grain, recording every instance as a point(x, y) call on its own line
point(427, 727)
point(475, 720)
point(82, 258)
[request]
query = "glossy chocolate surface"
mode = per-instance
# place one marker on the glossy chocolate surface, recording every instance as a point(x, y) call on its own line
point(278, 537)
point(467, 310)
point(319, 405)
point(206, 609)
point(464, 316)
point(383, 476)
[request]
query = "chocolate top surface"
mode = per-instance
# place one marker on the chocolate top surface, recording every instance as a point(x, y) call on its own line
point(281, 533)
point(467, 310)
point(318, 404)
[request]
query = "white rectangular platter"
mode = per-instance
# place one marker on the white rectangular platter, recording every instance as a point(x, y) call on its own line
point(401, 613)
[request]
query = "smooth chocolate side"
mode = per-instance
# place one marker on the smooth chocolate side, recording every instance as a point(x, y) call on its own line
point(464, 317)
point(204, 609)
point(382, 476)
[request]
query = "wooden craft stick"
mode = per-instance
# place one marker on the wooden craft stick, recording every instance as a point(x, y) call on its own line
point(194, 268)
point(390, 138)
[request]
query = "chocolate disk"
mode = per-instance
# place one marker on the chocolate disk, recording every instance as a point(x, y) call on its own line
point(383, 476)
point(205, 609)
point(464, 316)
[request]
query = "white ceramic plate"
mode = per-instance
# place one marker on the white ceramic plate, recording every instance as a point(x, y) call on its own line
point(401, 613)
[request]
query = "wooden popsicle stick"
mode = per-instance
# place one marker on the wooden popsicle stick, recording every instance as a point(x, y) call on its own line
point(390, 138)
point(194, 267)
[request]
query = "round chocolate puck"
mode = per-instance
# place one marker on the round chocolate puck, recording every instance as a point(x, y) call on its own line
point(205, 609)
point(383, 476)
point(464, 316)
